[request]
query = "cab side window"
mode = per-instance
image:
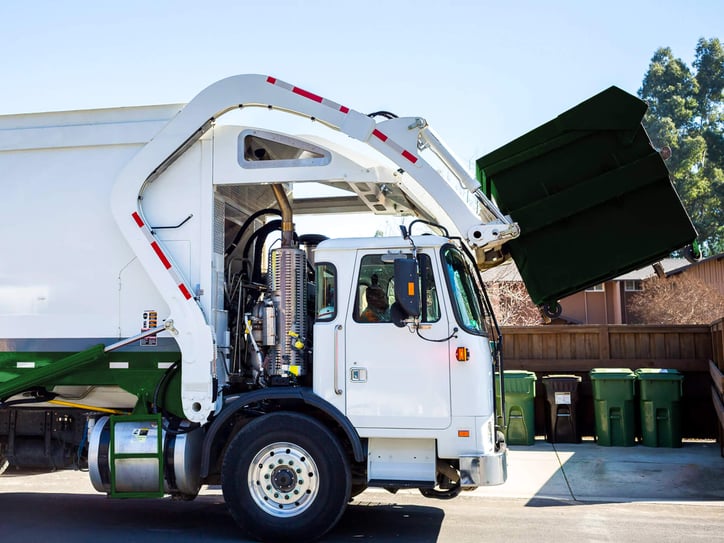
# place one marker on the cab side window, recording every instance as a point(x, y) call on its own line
point(326, 298)
point(376, 290)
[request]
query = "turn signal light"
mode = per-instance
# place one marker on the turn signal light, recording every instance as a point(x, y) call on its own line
point(462, 354)
point(463, 433)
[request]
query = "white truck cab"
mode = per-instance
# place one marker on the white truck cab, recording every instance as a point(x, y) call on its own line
point(419, 390)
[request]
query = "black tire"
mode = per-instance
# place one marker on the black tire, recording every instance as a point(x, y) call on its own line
point(285, 477)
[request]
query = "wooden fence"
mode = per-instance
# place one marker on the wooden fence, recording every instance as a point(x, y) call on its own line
point(582, 348)
point(576, 349)
point(716, 370)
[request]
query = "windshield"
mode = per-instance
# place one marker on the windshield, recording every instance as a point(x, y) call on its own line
point(464, 290)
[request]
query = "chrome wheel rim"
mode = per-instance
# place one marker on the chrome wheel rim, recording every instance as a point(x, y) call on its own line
point(283, 479)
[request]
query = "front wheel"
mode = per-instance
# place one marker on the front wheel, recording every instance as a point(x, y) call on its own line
point(285, 477)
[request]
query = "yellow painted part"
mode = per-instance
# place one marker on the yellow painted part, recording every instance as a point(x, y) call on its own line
point(89, 407)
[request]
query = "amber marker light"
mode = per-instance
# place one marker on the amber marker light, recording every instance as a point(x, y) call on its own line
point(463, 433)
point(462, 354)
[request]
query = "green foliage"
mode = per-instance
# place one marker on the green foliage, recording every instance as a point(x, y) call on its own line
point(686, 113)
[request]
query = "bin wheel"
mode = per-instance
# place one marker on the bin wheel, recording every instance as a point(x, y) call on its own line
point(552, 310)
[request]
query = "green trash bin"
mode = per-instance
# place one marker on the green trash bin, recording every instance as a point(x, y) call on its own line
point(519, 407)
point(614, 391)
point(660, 403)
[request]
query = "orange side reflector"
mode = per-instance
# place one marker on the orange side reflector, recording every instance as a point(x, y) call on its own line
point(410, 288)
point(462, 354)
point(463, 433)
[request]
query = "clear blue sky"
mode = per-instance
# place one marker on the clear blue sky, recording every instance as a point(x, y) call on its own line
point(482, 72)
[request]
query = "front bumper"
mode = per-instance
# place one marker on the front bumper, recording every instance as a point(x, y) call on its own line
point(488, 470)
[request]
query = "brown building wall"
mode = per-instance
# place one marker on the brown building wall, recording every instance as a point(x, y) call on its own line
point(710, 271)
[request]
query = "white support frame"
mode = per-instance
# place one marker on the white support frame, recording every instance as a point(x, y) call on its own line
point(397, 139)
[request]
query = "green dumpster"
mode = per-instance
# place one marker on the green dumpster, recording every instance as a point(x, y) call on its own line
point(660, 393)
point(519, 407)
point(614, 390)
point(586, 186)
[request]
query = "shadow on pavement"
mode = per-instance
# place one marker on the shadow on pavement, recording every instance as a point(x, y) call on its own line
point(80, 517)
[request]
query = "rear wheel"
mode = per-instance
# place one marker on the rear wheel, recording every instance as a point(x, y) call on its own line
point(285, 477)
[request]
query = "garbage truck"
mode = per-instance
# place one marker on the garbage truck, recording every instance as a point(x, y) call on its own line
point(164, 326)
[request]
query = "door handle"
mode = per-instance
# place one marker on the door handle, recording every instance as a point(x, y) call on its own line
point(337, 330)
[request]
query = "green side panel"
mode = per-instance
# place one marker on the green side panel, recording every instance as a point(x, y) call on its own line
point(136, 372)
point(591, 195)
point(14, 384)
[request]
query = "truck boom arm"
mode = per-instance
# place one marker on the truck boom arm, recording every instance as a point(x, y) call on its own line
point(400, 140)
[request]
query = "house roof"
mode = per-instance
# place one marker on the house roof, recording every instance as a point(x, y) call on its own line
point(716, 258)
point(669, 265)
point(508, 271)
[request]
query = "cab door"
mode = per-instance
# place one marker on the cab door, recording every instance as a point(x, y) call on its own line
point(396, 378)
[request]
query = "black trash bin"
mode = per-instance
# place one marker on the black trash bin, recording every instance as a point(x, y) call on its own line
point(561, 406)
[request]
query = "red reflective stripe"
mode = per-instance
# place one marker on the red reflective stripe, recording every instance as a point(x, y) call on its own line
point(379, 134)
point(409, 156)
point(184, 291)
point(307, 94)
point(271, 80)
point(160, 255)
point(344, 109)
point(137, 218)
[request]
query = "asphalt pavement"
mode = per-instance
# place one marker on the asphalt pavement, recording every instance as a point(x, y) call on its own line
point(555, 492)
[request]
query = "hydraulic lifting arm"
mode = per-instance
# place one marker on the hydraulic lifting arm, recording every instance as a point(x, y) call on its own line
point(401, 140)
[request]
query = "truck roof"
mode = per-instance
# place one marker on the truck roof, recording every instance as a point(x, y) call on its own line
point(91, 127)
point(386, 242)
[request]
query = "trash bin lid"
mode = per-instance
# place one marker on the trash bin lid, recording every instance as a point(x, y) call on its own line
point(612, 373)
point(519, 374)
point(592, 197)
point(661, 374)
point(556, 377)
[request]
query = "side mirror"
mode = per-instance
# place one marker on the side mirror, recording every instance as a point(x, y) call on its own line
point(407, 292)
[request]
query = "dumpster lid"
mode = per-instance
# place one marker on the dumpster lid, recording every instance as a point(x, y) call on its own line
point(658, 373)
point(612, 373)
point(592, 197)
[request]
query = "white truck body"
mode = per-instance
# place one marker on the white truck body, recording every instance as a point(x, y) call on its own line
point(117, 224)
